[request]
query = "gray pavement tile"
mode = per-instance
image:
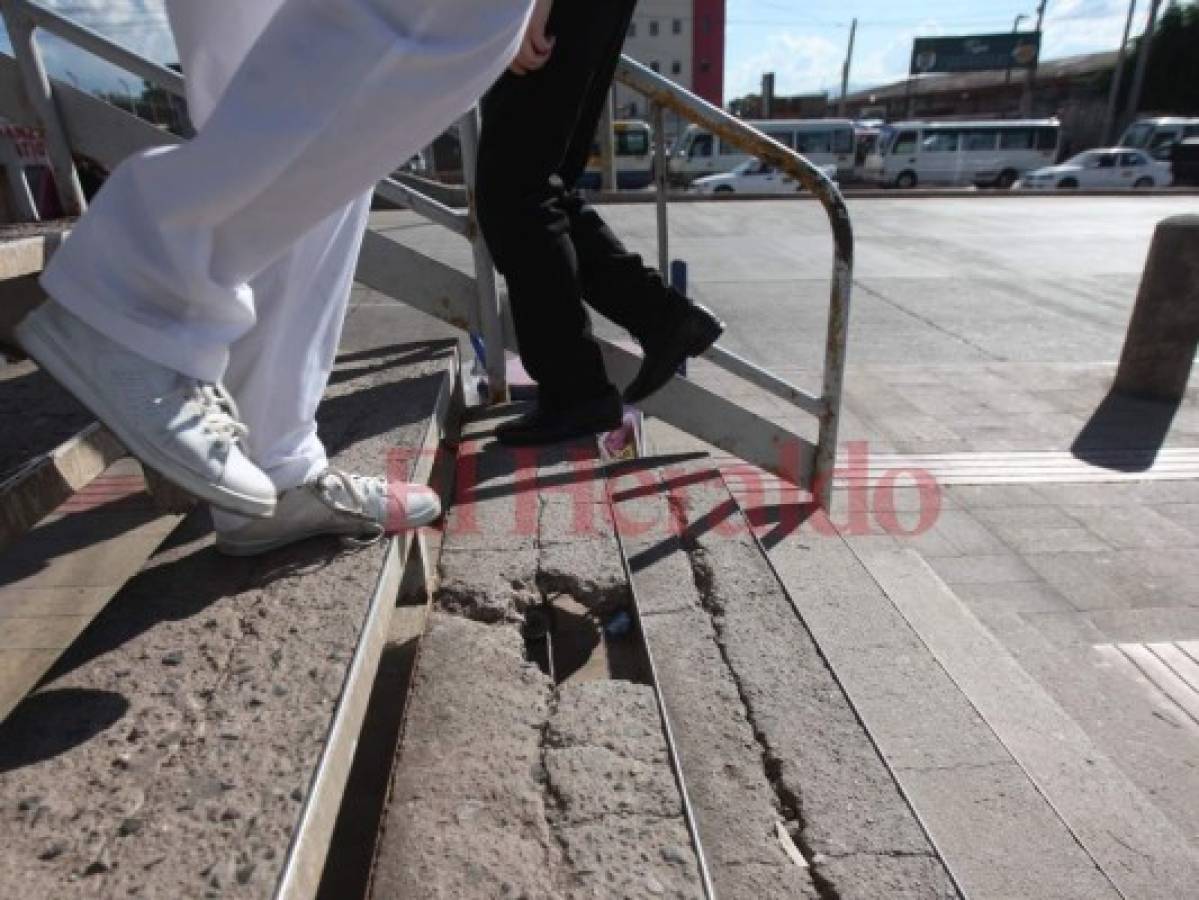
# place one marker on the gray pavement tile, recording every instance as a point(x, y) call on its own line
point(987, 496)
point(989, 569)
point(1009, 520)
point(1123, 492)
point(1073, 630)
point(956, 533)
point(1148, 624)
point(1129, 526)
point(1014, 597)
point(1121, 579)
point(1185, 514)
point(971, 810)
point(1054, 540)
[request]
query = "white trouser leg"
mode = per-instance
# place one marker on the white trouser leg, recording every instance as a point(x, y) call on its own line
point(331, 97)
point(279, 369)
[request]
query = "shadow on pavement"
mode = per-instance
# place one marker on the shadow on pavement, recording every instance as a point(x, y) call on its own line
point(1125, 433)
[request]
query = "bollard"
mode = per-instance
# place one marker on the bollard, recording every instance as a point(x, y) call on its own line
point(1164, 330)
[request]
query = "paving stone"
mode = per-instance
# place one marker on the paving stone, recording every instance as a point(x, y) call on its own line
point(1016, 596)
point(1120, 579)
point(979, 496)
point(990, 569)
point(1130, 526)
point(973, 810)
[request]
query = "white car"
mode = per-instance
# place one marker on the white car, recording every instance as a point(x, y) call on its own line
point(753, 177)
point(1113, 167)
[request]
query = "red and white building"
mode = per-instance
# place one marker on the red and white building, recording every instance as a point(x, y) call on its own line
point(682, 39)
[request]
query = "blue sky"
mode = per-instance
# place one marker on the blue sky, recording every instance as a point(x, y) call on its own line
point(802, 41)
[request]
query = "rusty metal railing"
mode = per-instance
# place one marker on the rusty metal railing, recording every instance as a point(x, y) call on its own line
point(665, 94)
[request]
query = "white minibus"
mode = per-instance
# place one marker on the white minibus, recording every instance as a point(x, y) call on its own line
point(698, 152)
point(987, 154)
point(633, 144)
point(1157, 136)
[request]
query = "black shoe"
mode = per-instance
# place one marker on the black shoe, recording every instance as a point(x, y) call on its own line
point(549, 425)
point(696, 333)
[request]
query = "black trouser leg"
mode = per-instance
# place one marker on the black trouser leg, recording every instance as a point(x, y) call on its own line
point(552, 248)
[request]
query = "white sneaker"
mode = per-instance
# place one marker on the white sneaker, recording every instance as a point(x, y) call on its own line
point(362, 510)
point(186, 430)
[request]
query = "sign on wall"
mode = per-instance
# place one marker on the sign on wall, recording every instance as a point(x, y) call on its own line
point(976, 53)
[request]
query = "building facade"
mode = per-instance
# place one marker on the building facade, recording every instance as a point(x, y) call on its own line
point(681, 39)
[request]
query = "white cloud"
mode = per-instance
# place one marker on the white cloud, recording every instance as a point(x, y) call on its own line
point(801, 63)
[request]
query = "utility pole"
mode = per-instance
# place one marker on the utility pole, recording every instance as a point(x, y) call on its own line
point(1032, 71)
point(1007, 79)
point(853, 30)
point(1138, 77)
point(1113, 97)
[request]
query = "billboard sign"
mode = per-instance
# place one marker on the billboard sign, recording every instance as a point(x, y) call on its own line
point(976, 52)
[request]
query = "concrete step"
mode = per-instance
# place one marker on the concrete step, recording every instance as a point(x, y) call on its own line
point(1015, 794)
point(24, 251)
point(766, 736)
point(196, 739)
point(520, 779)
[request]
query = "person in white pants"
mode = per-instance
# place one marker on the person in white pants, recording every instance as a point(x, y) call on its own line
point(227, 262)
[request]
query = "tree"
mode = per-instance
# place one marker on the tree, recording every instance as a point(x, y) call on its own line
point(1172, 79)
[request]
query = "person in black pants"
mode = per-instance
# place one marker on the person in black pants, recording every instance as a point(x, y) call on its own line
point(555, 251)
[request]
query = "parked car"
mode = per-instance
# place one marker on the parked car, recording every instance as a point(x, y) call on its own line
point(754, 177)
point(1112, 167)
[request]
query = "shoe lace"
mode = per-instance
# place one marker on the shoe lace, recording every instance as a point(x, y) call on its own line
point(352, 494)
point(219, 416)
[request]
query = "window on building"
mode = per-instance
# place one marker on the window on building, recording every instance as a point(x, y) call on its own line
point(653, 28)
point(705, 66)
point(676, 67)
point(707, 24)
point(632, 32)
point(656, 66)
point(677, 26)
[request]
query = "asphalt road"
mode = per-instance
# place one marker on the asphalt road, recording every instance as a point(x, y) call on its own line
point(937, 281)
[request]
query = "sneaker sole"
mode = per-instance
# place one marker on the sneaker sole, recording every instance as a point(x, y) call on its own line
point(229, 547)
point(45, 350)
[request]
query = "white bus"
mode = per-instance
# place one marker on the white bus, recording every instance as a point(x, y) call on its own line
point(1157, 136)
point(633, 145)
point(698, 152)
point(962, 153)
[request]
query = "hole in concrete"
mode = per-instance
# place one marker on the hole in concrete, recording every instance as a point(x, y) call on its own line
point(570, 642)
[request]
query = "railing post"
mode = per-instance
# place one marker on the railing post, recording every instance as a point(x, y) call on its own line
point(24, 207)
point(607, 143)
point(660, 183)
point(490, 314)
point(41, 96)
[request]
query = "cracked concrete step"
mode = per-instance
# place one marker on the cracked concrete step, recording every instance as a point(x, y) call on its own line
point(56, 578)
point(764, 731)
point(507, 784)
point(194, 740)
point(1013, 793)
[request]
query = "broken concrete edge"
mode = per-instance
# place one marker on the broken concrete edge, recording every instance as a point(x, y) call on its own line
point(942, 856)
point(309, 847)
point(46, 482)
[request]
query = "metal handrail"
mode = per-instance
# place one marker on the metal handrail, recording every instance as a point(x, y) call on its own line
point(24, 17)
point(664, 93)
